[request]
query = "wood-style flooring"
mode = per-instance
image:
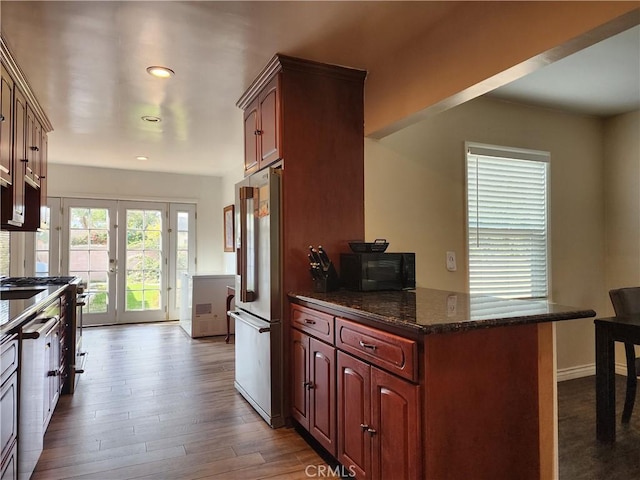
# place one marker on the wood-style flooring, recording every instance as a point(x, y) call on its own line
point(156, 404)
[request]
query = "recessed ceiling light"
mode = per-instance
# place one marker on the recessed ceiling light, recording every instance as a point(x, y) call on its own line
point(142, 157)
point(160, 72)
point(151, 119)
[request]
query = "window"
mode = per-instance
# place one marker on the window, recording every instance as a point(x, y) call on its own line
point(507, 221)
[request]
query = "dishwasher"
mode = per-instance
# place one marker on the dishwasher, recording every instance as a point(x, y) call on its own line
point(39, 384)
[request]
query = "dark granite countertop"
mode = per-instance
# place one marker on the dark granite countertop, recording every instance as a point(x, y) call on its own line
point(430, 311)
point(15, 312)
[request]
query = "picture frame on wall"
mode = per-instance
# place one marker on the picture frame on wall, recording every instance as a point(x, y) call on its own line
point(227, 215)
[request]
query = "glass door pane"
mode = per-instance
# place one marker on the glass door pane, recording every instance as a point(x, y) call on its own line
point(182, 258)
point(143, 245)
point(91, 255)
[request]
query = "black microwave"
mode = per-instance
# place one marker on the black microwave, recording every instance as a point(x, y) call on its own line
point(366, 272)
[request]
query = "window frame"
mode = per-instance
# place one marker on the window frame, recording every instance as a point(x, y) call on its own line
point(507, 152)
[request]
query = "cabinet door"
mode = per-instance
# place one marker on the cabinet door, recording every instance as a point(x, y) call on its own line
point(354, 411)
point(20, 160)
point(300, 393)
point(31, 134)
point(8, 413)
point(251, 135)
point(6, 138)
point(44, 214)
point(269, 126)
point(322, 389)
point(396, 424)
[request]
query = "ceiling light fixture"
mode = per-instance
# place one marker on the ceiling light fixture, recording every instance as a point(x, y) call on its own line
point(142, 158)
point(160, 72)
point(151, 119)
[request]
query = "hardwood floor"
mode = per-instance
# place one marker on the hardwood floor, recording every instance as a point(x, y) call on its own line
point(581, 456)
point(155, 404)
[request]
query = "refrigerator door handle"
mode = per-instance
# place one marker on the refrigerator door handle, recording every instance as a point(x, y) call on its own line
point(251, 322)
point(246, 295)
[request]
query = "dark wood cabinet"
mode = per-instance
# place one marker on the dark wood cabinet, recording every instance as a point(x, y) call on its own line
point(314, 387)
point(378, 422)
point(6, 133)
point(23, 151)
point(262, 129)
point(354, 415)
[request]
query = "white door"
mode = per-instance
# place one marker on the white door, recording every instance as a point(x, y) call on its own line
point(89, 240)
point(132, 256)
point(142, 262)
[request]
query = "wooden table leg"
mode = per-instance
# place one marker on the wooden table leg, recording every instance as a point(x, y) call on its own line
point(230, 294)
point(605, 385)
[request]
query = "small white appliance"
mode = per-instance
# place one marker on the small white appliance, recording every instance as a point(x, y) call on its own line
point(203, 306)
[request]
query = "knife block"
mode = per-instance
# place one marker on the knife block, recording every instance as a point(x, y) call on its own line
point(329, 282)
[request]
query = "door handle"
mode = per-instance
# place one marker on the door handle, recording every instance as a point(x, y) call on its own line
point(246, 193)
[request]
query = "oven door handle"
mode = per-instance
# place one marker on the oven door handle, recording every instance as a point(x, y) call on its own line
point(40, 326)
point(255, 324)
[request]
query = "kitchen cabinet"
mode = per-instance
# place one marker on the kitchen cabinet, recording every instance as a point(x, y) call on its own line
point(378, 421)
point(6, 133)
point(314, 384)
point(23, 150)
point(262, 129)
point(372, 426)
point(9, 358)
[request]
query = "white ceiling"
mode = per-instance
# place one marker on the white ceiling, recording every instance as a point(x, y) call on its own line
point(86, 63)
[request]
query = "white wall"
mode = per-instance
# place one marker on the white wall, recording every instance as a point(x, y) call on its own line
point(414, 197)
point(104, 183)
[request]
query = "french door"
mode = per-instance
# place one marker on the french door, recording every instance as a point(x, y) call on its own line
point(131, 256)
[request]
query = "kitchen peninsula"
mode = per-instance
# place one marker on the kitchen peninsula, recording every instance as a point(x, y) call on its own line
point(468, 381)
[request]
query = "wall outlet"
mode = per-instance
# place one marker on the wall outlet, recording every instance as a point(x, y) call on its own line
point(451, 261)
point(452, 305)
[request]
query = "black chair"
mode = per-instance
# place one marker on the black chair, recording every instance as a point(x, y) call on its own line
point(626, 301)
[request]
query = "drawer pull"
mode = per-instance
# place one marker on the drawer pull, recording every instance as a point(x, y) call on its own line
point(364, 427)
point(370, 346)
point(371, 431)
point(309, 321)
point(308, 385)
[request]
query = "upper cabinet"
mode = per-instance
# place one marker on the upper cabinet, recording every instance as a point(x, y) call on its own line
point(23, 150)
point(262, 128)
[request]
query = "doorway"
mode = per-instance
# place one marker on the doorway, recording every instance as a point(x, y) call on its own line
point(131, 255)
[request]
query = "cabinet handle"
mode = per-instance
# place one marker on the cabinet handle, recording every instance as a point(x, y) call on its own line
point(364, 427)
point(52, 373)
point(309, 321)
point(371, 431)
point(25, 160)
point(309, 385)
point(258, 132)
point(33, 148)
point(368, 345)
point(1, 118)
point(42, 177)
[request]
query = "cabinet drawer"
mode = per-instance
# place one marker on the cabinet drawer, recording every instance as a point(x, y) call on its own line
point(8, 413)
point(8, 359)
point(317, 324)
point(391, 352)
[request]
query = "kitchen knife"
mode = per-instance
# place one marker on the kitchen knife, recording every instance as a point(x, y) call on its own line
point(314, 255)
point(324, 258)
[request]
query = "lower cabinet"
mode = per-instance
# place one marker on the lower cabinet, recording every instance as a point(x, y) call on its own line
point(314, 388)
point(366, 417)
point(378, 422)
point(8, 408)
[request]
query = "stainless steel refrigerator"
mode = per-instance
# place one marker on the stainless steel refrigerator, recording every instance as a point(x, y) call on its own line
point(258, 296)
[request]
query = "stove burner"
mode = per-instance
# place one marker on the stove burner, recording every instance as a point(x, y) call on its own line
point(30, 281)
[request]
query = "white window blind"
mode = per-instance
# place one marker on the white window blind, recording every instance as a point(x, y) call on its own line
point(507, 206)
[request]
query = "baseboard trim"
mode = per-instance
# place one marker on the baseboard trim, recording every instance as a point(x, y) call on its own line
point(586, 371)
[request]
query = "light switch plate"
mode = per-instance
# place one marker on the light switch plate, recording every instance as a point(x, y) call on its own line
point(451, 261)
